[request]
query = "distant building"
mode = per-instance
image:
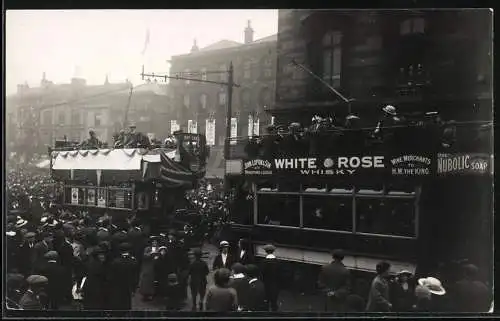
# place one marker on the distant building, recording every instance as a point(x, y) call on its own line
point(254, 64)
point(418, 60)
point(38, 116)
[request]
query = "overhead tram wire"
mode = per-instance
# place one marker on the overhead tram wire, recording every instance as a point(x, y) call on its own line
point(90, 97)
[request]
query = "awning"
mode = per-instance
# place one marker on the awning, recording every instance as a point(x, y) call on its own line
point(105, 159)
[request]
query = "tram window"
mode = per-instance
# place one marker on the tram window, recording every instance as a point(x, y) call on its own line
point(279, 209)
point(314, 187)
point(112, 198)
point(289, 187)
point(391, 216)
point(327, 212)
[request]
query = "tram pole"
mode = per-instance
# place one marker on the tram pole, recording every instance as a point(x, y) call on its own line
point(229, 113)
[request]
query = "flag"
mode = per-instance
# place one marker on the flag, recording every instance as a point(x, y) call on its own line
point(146, 42)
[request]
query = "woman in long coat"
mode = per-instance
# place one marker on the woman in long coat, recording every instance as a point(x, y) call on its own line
point(94, 288)
point(147, 276)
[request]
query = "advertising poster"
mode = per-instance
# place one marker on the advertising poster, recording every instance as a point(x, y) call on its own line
point(234, 130)
point(210, 131)
point(192, 126)
point(74, 196)
point(472, 163)
point(101, 199)
point(91, 196)
point(174, 126)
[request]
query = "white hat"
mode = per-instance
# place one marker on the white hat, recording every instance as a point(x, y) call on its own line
point(391, 110)
point(224, 244)
point(433, 285)
point(20, 223)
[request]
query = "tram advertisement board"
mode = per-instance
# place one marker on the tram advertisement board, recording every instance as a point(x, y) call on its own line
point(464, 163)
point(405, 165)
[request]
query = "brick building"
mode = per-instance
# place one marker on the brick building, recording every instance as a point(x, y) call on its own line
point(417, 60)
point(38, 116)
point(254, 64)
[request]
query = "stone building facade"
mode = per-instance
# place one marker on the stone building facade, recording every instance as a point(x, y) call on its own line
point(417, 60)
point(254, 63)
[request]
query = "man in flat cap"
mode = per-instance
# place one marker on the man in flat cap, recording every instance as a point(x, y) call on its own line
point(27, 254)
point(335, 280)
point(33, 298)
point(53, 271)
point(257, 300)
point(123, 279)
point(43, 246)
point(224, 259)
point(271, 277)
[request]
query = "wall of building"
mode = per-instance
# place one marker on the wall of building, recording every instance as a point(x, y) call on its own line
point(418, 60)
point(255, 72)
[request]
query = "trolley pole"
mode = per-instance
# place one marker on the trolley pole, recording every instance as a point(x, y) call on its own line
point(229, 113)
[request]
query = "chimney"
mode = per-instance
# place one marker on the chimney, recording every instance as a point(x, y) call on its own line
point(248, 33)
point(194, 48)
point(106, 81)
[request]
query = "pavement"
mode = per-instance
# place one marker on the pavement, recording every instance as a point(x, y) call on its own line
point(288, 301)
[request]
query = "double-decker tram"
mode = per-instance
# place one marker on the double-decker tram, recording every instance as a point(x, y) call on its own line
point(147, 182)
point(420, 205)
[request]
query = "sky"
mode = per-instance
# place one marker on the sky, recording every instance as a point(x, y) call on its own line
point(94, 43)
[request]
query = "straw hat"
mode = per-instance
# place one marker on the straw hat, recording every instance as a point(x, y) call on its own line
point(391, 110)
point(224, 244)
point(433, 285)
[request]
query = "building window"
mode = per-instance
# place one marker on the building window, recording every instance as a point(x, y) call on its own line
point(61, 118)
point(186, 101)
point(203, 73)
point(223, 74)
point(413, 26)
point(186, 75)
point(46, 117)
point(203, 101)
point(245, 98)
point(75, 117)
point(247, 69)
point(222, 98)
point(97, 119)
point(332, 58)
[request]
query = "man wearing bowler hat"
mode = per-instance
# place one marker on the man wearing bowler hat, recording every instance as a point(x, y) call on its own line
point(53, 271)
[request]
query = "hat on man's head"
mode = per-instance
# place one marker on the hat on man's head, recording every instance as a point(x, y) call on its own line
point(172, 277)
point(224, 244)
point(338, 254)
point(252, 270)
point(405, 272)
point(389, 109)
point(433, 285)
point(51, 255)
point(30, 235)
point(124, 247)
point(20, 222)
point(11, 233)
point(269, 248)
point(37, 279)
point(238, 268)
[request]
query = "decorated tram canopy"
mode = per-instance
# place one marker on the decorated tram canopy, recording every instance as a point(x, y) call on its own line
point(396, 165)
point(102, 166)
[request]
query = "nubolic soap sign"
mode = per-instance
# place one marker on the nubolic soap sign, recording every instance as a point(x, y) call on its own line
point(473, 163)
point(411, 165)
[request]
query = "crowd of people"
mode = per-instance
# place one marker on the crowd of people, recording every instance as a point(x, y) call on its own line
point(403, 292)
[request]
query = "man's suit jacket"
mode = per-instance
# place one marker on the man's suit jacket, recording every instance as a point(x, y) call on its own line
point(241, 286)
point(40, 249)
point(335, 277)
point(246, 259)
point(271, 275)
point(256, 298)
point(218, 264)
point(378, 298)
